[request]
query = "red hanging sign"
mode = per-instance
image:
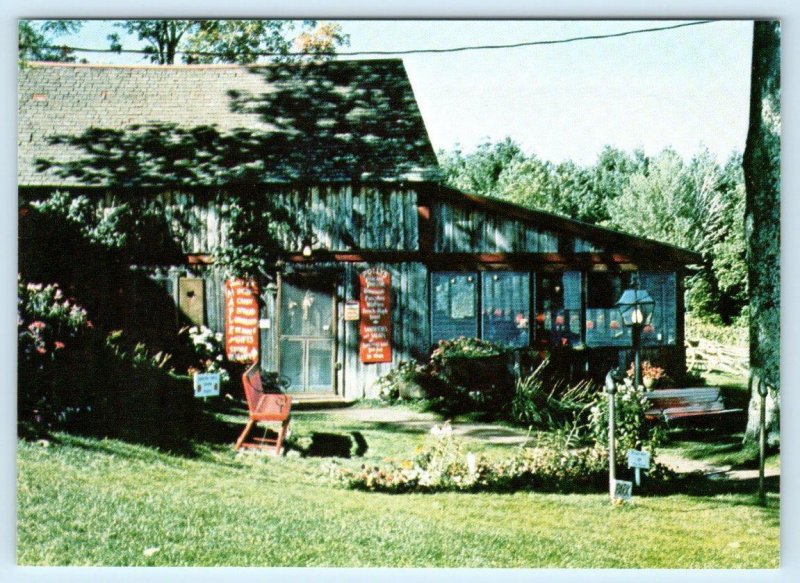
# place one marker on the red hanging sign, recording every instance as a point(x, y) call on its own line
point(241, 320)
point(375, 325)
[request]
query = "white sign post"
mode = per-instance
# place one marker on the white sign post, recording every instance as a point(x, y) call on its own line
point(639, 460)
point(206, 384)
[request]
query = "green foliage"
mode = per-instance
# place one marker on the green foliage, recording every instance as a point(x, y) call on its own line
point(209, 351)
point(632, 428)
point(443, 465)
point(402, 382)
point(37, 38)
point(72, 376)
point(470, 375)
point(136, 230)
point(255, 227)
point(230, 41)
point(52, 336)
point(734, 335)
point(697, 204)
point(543, 401)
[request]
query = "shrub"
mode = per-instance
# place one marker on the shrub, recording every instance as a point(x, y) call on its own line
point(53, 334)
point(471, 375)
point(632, 428)
point(208, 349)
point(443, 465)
point(406, 380)
point(545, 401)
point(73, 377)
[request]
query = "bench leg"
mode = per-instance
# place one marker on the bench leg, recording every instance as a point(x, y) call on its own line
point(281, 437)
point(244, 434)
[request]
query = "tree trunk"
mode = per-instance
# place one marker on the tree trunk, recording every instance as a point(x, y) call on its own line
point(762, 226)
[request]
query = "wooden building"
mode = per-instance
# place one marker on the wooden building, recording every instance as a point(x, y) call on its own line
point(395, 260)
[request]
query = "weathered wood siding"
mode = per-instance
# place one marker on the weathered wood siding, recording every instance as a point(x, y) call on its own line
point(466, 230)
point(410, 326)
point(341, 218)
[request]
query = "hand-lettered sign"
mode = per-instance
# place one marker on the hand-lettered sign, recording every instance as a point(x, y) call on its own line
point(241, 320)
point(352, 313)
point(375, 326)
point(638, 459)
point(206, 384)
point(623, 490)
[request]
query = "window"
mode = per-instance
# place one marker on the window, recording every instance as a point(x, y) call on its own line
point(506, 308)
point(558, 309)
point(603, 322)
point(604, 325)
point(661, 330)
point(454, 299)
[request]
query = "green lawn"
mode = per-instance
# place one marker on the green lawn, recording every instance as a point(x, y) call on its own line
point(83, 501)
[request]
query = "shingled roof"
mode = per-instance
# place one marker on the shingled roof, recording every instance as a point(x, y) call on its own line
point(93, 125)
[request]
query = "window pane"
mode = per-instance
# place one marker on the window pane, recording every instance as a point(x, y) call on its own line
point(558, 303)
point(454, 305)
point(604, 325)
point(320, 356)
point(662, 328)
point(292, 363)
point(506, 308)
point(603, 290)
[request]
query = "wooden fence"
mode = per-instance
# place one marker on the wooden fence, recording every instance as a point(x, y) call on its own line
point(709, 356)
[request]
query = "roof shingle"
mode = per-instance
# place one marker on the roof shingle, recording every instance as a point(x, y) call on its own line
point(210, 126)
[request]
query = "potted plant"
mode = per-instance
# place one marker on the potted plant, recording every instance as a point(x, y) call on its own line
point(651, 374)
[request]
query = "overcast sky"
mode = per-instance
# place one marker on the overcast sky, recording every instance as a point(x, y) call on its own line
point(682, 88)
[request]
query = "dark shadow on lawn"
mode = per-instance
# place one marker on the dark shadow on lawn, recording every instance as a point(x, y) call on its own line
point(323, 444)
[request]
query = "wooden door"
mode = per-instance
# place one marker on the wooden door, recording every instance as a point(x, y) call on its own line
point(307, 339)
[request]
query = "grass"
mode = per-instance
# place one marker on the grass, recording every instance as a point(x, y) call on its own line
point(85, 501)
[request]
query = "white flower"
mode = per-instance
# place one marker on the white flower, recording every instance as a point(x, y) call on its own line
point(442, 431)
point(472, 463)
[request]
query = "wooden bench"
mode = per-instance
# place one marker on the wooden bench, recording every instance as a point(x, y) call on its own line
point(264, 407)
point(669, 404)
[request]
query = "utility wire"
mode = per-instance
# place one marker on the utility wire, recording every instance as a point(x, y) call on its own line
point(406, 52)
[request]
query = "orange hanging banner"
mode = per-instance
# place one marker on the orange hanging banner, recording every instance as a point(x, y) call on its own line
point(241, 320)
point(375, 325)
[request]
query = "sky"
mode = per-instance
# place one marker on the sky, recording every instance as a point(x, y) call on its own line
point(686, 88)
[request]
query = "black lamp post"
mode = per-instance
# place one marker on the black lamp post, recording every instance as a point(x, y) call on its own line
point(636, 308)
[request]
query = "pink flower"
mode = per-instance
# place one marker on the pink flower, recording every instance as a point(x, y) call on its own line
point(37, 325)
point(89, 324)
point(41, 350)
point(59, 344)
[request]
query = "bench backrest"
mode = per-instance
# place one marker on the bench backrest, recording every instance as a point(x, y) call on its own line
point(273, 406)
point(253, 390)
point(687, 396)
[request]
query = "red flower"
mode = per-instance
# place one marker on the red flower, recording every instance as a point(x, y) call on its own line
point(37, 325)
point(614, 325)
point(589, 325)
point(41, 350)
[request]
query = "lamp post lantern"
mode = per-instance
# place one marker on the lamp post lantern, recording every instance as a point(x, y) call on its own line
point(636, 308)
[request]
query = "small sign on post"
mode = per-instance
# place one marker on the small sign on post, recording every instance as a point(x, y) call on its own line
point(352, 313)
point(206, 384)
point(639, 460)
point(623, 490)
